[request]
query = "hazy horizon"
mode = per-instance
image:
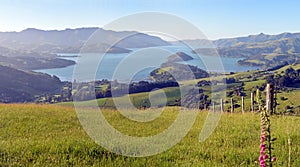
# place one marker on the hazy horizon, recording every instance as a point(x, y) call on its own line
point(72, 28)
point(216, 18)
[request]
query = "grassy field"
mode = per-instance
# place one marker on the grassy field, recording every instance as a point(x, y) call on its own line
point(296, 67)
point(138, 99)
point(50, 135)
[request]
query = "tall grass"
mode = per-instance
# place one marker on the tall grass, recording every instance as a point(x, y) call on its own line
point(48, 135)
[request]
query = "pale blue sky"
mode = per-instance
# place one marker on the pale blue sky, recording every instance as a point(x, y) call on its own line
point(216, 18)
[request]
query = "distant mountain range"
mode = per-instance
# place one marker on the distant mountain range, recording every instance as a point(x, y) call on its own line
point(36, 49)
point(71, 40)
point(231, 42)
point(260, 38)
point(258, 50)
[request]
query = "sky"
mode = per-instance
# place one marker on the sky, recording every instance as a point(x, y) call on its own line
point(215, 18)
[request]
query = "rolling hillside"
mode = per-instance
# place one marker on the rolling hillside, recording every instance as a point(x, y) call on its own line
point(22, 86)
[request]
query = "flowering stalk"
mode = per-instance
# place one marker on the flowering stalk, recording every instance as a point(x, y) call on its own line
point(266, 158)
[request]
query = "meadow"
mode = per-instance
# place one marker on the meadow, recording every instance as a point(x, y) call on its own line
point(51, 135)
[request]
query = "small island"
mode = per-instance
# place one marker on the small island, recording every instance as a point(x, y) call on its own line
point(179, 57)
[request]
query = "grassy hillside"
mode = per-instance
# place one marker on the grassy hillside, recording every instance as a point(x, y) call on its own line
point(138, 99)
point(49, 135)
point(295, 66)
point(22, 86)
point(30, 60)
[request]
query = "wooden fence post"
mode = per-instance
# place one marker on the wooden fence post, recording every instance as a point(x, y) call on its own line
point(269, 98)
point(243, 105)
point(222, 105)
point(232, 105)
point(275, 101)
point(258, 99)
point(252, 102)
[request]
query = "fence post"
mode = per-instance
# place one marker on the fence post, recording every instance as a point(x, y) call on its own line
point(213, 106)
point(275, 101)
point(252, 102)
point(243, 105)
point(269, 98)
point(222, 105)
point(232, 105)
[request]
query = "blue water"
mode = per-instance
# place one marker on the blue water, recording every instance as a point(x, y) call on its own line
point(145, 60)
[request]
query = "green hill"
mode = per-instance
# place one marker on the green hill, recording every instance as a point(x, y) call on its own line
point(22, 86)
point(30, 60)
